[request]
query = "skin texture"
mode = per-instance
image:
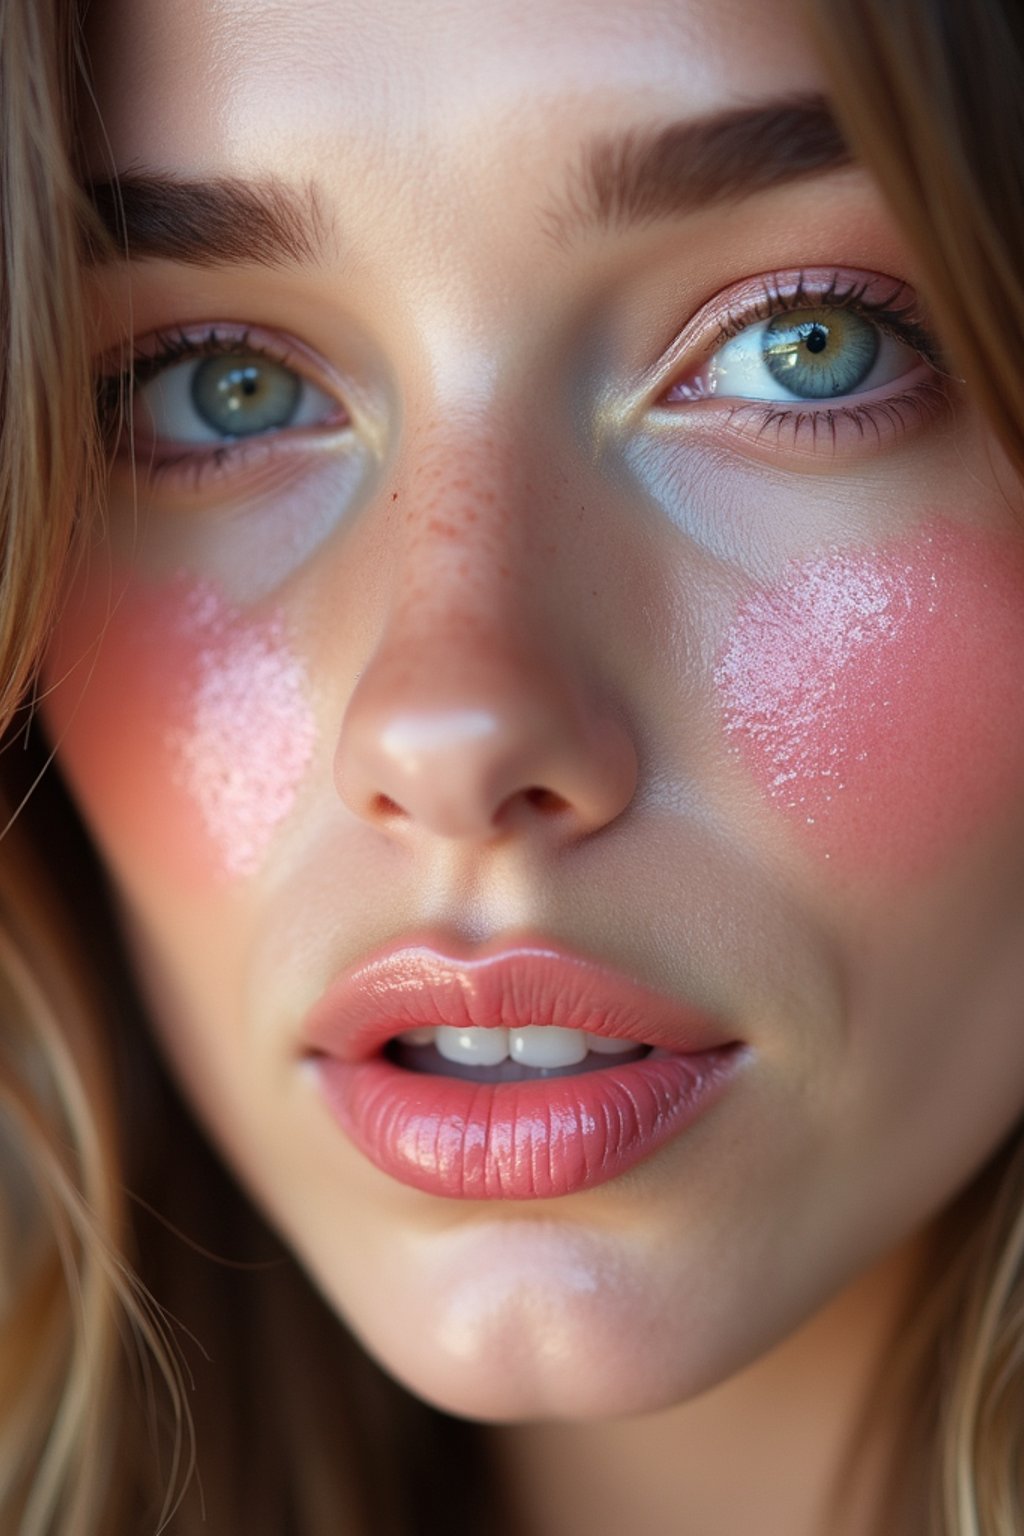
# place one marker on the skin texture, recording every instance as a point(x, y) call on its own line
point(877, 697)
point(301, 698)
point(220, 716)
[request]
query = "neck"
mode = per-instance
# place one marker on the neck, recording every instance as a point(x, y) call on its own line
point(802, 1443)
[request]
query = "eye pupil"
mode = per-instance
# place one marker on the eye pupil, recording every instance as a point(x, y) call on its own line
point(821, 354)
point(240, 393)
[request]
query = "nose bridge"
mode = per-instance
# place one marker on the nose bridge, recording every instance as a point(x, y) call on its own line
point(476, 574)
point(465, 596)
point(477, 709)
point(466, 521)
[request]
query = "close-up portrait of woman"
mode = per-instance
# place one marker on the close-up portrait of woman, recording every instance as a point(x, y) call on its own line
point(512, 767)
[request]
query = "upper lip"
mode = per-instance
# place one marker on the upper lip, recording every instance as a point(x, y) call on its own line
point(415, 983)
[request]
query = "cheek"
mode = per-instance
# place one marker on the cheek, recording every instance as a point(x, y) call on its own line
point(185, 729)
point(877, 697)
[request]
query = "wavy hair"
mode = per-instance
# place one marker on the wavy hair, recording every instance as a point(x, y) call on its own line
point(931, 96)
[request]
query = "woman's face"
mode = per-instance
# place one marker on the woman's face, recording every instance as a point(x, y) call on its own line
point(556, 586)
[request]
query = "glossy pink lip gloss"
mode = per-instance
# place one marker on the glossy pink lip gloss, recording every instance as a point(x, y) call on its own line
point(510, 1141)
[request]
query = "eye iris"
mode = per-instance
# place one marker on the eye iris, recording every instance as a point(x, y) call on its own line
point(243, 393)
point(818, 353)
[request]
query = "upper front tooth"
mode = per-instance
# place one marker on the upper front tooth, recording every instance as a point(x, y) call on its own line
point(424, 1036)
point(535, 1045)
point(544, 1045)
point(477, 1047)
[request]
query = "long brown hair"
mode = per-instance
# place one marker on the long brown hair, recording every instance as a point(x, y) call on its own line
point(99, 1385)
point(65, 1290)
point(931, 97)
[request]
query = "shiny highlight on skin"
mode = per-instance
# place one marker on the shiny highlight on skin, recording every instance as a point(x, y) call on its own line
point(247, 735)
point(877, 695)
point(187, 728)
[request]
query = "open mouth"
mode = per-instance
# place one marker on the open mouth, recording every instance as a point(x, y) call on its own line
point(435, 1066)
point(498, 1055)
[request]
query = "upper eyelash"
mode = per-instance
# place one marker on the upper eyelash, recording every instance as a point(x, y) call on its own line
point(901, 319)
point(896, 312)
point(115, 388)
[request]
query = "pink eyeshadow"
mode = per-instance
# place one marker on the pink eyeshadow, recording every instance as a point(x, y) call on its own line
point(877, 696)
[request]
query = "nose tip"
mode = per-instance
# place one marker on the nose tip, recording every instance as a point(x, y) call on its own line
point(512, 748)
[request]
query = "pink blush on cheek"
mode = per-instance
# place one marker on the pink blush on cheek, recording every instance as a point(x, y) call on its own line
point(192, 731)
point(877, 696)
point(246, 733)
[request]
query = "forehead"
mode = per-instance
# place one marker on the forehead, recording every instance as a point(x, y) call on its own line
point(221, 86)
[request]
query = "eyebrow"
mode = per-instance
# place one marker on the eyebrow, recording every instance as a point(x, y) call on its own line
point(215, 222)
point(621, 180)
point(645, 175)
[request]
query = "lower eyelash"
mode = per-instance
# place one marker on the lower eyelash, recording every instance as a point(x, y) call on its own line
point(193, 467)
point(190, 467)
point(887, 418)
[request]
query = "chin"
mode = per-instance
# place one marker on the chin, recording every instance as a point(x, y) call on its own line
point(532, 1333)
point(509, 1379)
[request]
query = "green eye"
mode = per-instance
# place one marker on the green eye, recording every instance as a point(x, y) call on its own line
point(235, 392)
point(818, 354)
point(243, 393)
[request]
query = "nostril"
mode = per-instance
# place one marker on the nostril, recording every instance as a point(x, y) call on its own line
point(545, 800)
point(383, 806)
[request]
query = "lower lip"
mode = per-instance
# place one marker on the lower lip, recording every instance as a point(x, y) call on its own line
point(520, 1141)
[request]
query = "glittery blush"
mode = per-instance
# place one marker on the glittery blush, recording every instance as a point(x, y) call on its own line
point(247, 731)
point(877, 696)
point(184, 724)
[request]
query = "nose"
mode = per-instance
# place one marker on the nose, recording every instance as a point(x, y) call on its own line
point(477, 717)
point(467, 736)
